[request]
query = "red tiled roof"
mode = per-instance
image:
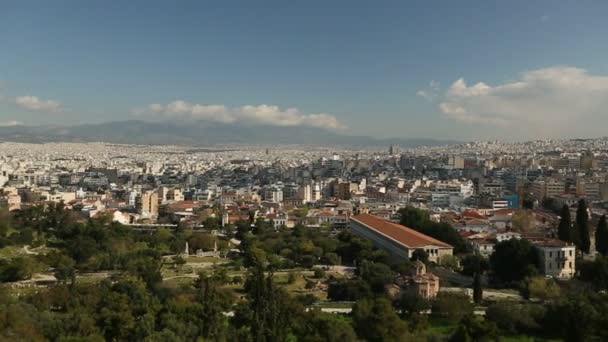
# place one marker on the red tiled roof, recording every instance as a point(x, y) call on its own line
point(473, 214)
point(465, 234)
point(402, 234)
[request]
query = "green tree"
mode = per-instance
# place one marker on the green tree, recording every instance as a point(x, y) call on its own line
point(16, 269)
point(601, 236)
point(318, 272)
point(564, 229)
point(413, 217)
point(316, 326)
point(472, 328)
point(411, 303)
point(204, 241)
point(20, 322)
point(452, 306)
point(376, 320)
point(516, 318)
point(348, 290)
point(573, 319)
point(419, 220)
point(261, 226)
point(65, 269)
point(353, 249)
point(595, 272)
point(474, 262)
point(211, 223)
point(421, 255)
point(376, 275)
point(477, 288)
point(331, 259)
point(269, 312)
point(213, 304)
point(582, 223)
point(512, 261)
point(126, 310)
point(5, 222)
point(542, 288)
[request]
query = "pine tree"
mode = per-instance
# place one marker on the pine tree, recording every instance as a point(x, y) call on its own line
point(564, 229)
point(601, 236)
point(582, 222)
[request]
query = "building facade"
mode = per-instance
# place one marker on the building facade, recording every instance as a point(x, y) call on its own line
point(399, 241)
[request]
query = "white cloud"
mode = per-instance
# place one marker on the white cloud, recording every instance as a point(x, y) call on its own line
point(551, 101)
point(34, 103)
point(256, 114)
point(10, 123)
point(431, 92)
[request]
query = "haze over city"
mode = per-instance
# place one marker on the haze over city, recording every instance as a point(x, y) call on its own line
point(470, 70)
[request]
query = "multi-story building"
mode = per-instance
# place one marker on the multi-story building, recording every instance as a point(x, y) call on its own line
point(556, 258)
point(147, 204)
point(273, 194)
point(397, 240)
point(588, 188)
point(549, 188)
point(175, 195)
point(343, 190)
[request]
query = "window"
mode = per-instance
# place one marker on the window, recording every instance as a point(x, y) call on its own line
point(550, 254)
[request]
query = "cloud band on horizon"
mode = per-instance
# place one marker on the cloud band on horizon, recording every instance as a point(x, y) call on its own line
point(548, 101)
point(254, 114)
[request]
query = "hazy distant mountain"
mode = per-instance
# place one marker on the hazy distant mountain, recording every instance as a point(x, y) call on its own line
point(200, 133)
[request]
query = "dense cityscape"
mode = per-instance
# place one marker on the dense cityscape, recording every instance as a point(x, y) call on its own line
point(303, 171)
point(424, 240)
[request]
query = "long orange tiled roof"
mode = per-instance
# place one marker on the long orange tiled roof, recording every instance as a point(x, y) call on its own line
point(402, 234)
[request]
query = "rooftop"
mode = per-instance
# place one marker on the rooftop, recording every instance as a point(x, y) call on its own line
point(402, 234)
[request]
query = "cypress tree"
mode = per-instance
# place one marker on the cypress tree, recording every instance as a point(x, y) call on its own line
point(601, 236)
point(477, 290)
point(564, 229)
point(582, 223)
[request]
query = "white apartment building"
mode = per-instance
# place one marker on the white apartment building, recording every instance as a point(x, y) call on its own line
point(557, 258)
point(273, 194)
point(454, 187)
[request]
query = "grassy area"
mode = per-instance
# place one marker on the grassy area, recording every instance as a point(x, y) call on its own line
point(90, 278)
point(11, 252)
point(335, 305)
point(179, 281)
point(206, 259)
point(441, 327)
point(298, 287)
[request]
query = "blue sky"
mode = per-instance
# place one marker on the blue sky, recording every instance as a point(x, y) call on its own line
point(381, 68)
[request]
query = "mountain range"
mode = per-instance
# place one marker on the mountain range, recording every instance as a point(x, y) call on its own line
point(198, 133)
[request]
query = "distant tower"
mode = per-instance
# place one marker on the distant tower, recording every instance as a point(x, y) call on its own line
point(187, 250)
point(391, 150)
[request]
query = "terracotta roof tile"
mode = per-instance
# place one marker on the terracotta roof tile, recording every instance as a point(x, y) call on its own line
point(402, 234)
